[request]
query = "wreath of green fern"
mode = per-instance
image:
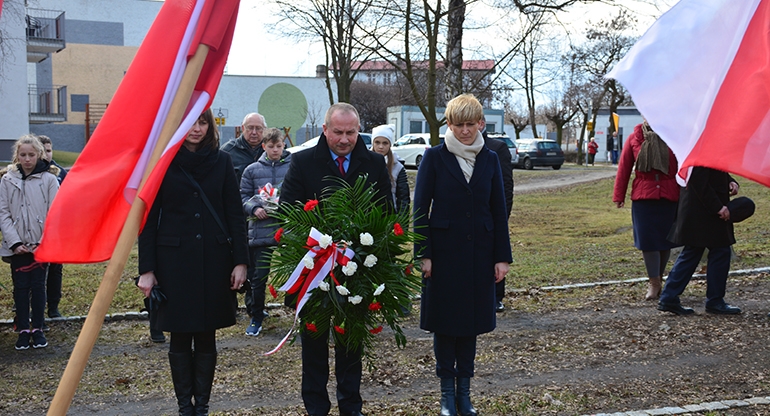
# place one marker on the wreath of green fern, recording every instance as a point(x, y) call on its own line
point(347, 213)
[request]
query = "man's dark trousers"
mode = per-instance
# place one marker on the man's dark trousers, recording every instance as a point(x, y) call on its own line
point(315, 376)
point(687, 262)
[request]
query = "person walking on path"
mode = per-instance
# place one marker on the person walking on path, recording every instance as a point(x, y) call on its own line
point(654, 196)
point(193, 249)
point(593, 147)
point(703, 221)
point(27, 189)
point(459, 208)
point(269, 169)
point(340, 153)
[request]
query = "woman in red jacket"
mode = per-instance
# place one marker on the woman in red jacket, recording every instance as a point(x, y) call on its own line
point(593, 147)
point(654, 193)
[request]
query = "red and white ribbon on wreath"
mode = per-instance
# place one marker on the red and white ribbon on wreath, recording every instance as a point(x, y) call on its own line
point(268, 190)
point(324, 255)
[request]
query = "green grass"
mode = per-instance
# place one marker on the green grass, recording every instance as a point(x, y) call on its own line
point(563, 236)
point(576, 234)
point(65, 159)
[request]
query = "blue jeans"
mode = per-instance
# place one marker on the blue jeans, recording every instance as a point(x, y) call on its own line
point(684, 267)
point(30, 280)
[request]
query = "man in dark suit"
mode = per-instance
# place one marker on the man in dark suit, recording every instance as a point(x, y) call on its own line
point(504, 156)
point(342, 153)
point(702, 221)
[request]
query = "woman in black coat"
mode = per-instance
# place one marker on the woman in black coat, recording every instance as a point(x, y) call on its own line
point(459, 207)
point(198, 260)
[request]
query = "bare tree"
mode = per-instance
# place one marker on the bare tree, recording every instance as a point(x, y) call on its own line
point(11, 10)
point(559, 111)
point(517, 117)
point(372, 102)
point(606, 43)
point(454, 54)
point(536, 9)
point(315, 115)
point(532, 73)
point(335, 23)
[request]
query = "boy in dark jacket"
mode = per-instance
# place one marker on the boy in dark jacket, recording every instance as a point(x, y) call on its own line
point(54, 279)
point(258, 201)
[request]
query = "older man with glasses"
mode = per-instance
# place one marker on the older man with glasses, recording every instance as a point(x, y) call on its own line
point(247, 148)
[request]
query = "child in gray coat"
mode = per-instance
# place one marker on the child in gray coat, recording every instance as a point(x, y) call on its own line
point(258, 200)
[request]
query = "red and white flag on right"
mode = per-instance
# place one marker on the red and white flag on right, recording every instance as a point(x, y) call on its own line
point(700, 76)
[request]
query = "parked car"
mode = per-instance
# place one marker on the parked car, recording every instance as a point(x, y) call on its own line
point(410, 147)
point(509, 142)
point(314, 141)
point(539, 152)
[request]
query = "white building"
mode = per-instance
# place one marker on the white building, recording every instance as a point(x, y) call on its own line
point(628, 118)
point(409, 119)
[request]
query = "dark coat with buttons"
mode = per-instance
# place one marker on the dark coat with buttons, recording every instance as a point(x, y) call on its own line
point(466, 233)
point(188, 251)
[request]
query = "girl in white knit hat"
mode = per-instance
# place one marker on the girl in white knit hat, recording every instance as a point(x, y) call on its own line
point(382, 140)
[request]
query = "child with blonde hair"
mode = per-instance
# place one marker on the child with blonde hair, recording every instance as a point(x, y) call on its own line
point(27, 189)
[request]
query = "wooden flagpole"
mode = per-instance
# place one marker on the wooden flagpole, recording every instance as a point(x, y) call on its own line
point(93, 323)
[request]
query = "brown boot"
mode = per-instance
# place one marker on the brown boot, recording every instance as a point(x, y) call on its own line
point(654, 287)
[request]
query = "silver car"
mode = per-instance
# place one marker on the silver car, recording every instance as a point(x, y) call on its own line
point(512, 148)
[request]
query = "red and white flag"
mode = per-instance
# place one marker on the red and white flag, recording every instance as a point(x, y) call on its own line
point(701, 79)
point(86, 218)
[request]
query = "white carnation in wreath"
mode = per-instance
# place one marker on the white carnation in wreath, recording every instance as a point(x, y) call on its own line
point(370, 260)
point(366, 239)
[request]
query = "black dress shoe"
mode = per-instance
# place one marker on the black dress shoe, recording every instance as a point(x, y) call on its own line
point(499, 307)
point(157, 336)
point(723, 309)
point(675, 308)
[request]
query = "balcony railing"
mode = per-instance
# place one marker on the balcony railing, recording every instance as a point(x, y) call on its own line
point(47, 104)
point(45, 33)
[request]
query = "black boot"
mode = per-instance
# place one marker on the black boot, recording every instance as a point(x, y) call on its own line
point(53, 309)
point(204, 378)
point(182, 376)
point(448, 407)
point(464, 397)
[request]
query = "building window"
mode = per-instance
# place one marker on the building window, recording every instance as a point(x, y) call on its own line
point(78, 102)
point(415, 126)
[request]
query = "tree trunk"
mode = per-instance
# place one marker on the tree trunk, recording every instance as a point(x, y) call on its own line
point(454, 55)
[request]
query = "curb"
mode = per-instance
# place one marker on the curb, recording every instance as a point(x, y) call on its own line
point(129, 316)
point(690, 408)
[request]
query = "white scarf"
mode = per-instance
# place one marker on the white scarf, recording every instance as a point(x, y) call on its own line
point(465, 154)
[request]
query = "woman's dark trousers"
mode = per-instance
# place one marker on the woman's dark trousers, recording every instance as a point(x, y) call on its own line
point(28, 277)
